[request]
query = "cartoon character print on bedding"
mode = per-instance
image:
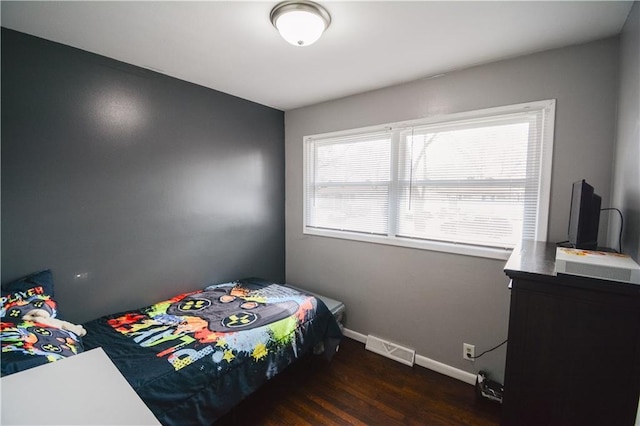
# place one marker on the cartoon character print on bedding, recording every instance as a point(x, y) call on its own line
point(36, 340)
point(237, 309)
point(224, 322)
point(31, 338)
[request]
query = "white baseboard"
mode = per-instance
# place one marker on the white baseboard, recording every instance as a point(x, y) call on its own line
point(423, 361)
point(445, 369)
point(359, 337)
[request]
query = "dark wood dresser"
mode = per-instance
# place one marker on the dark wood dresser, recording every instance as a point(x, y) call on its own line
point(573, 355)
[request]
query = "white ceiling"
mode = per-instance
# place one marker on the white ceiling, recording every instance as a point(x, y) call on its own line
point(232, 47)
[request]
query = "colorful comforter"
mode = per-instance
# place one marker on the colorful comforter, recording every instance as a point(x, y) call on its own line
point(193, 357)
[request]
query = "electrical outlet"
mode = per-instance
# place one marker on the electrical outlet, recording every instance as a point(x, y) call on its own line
point(468, 351)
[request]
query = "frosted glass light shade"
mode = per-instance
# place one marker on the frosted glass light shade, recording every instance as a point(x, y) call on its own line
point(300, 23)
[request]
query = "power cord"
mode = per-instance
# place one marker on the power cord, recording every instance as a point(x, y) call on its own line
point(489, 350)
point(621, 226)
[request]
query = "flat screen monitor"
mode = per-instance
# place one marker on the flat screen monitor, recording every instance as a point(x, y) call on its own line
point(584, 218)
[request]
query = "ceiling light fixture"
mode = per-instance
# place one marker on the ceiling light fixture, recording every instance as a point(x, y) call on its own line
point(300, 22)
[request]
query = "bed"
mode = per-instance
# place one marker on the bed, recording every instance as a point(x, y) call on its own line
point(193, 357)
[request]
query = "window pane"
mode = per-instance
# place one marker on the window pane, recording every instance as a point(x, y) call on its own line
point(464, 185)
point(349, 181)
point(353, 161)
point(496, 152)
point(489, 216)
point(354, 208)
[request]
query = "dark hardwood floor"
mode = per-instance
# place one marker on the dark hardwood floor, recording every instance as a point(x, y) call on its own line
point(359, 387)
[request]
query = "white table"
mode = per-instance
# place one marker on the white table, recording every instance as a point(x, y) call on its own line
point(85, 389)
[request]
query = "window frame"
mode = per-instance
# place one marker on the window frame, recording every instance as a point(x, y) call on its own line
point(546, 107)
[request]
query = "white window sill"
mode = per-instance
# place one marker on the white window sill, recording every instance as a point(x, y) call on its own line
point(446, 247)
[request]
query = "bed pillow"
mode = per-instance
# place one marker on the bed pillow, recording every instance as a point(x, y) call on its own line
point(39, 283)
point(14, 311)
point(27, 344)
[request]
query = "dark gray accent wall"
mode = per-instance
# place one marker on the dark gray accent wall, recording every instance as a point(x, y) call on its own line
point(130, 185)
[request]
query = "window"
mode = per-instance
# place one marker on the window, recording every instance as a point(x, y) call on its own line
point(473, 183)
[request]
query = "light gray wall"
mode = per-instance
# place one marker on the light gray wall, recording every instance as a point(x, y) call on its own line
point(433, 301)
point(149, 185)
point(626, 168)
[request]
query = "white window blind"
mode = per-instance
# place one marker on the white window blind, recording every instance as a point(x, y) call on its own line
point(478, 179)
point(349, 182)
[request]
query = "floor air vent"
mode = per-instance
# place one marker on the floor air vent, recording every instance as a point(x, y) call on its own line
point(390, 350)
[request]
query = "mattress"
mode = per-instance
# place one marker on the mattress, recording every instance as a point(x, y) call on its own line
point(336, 307)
